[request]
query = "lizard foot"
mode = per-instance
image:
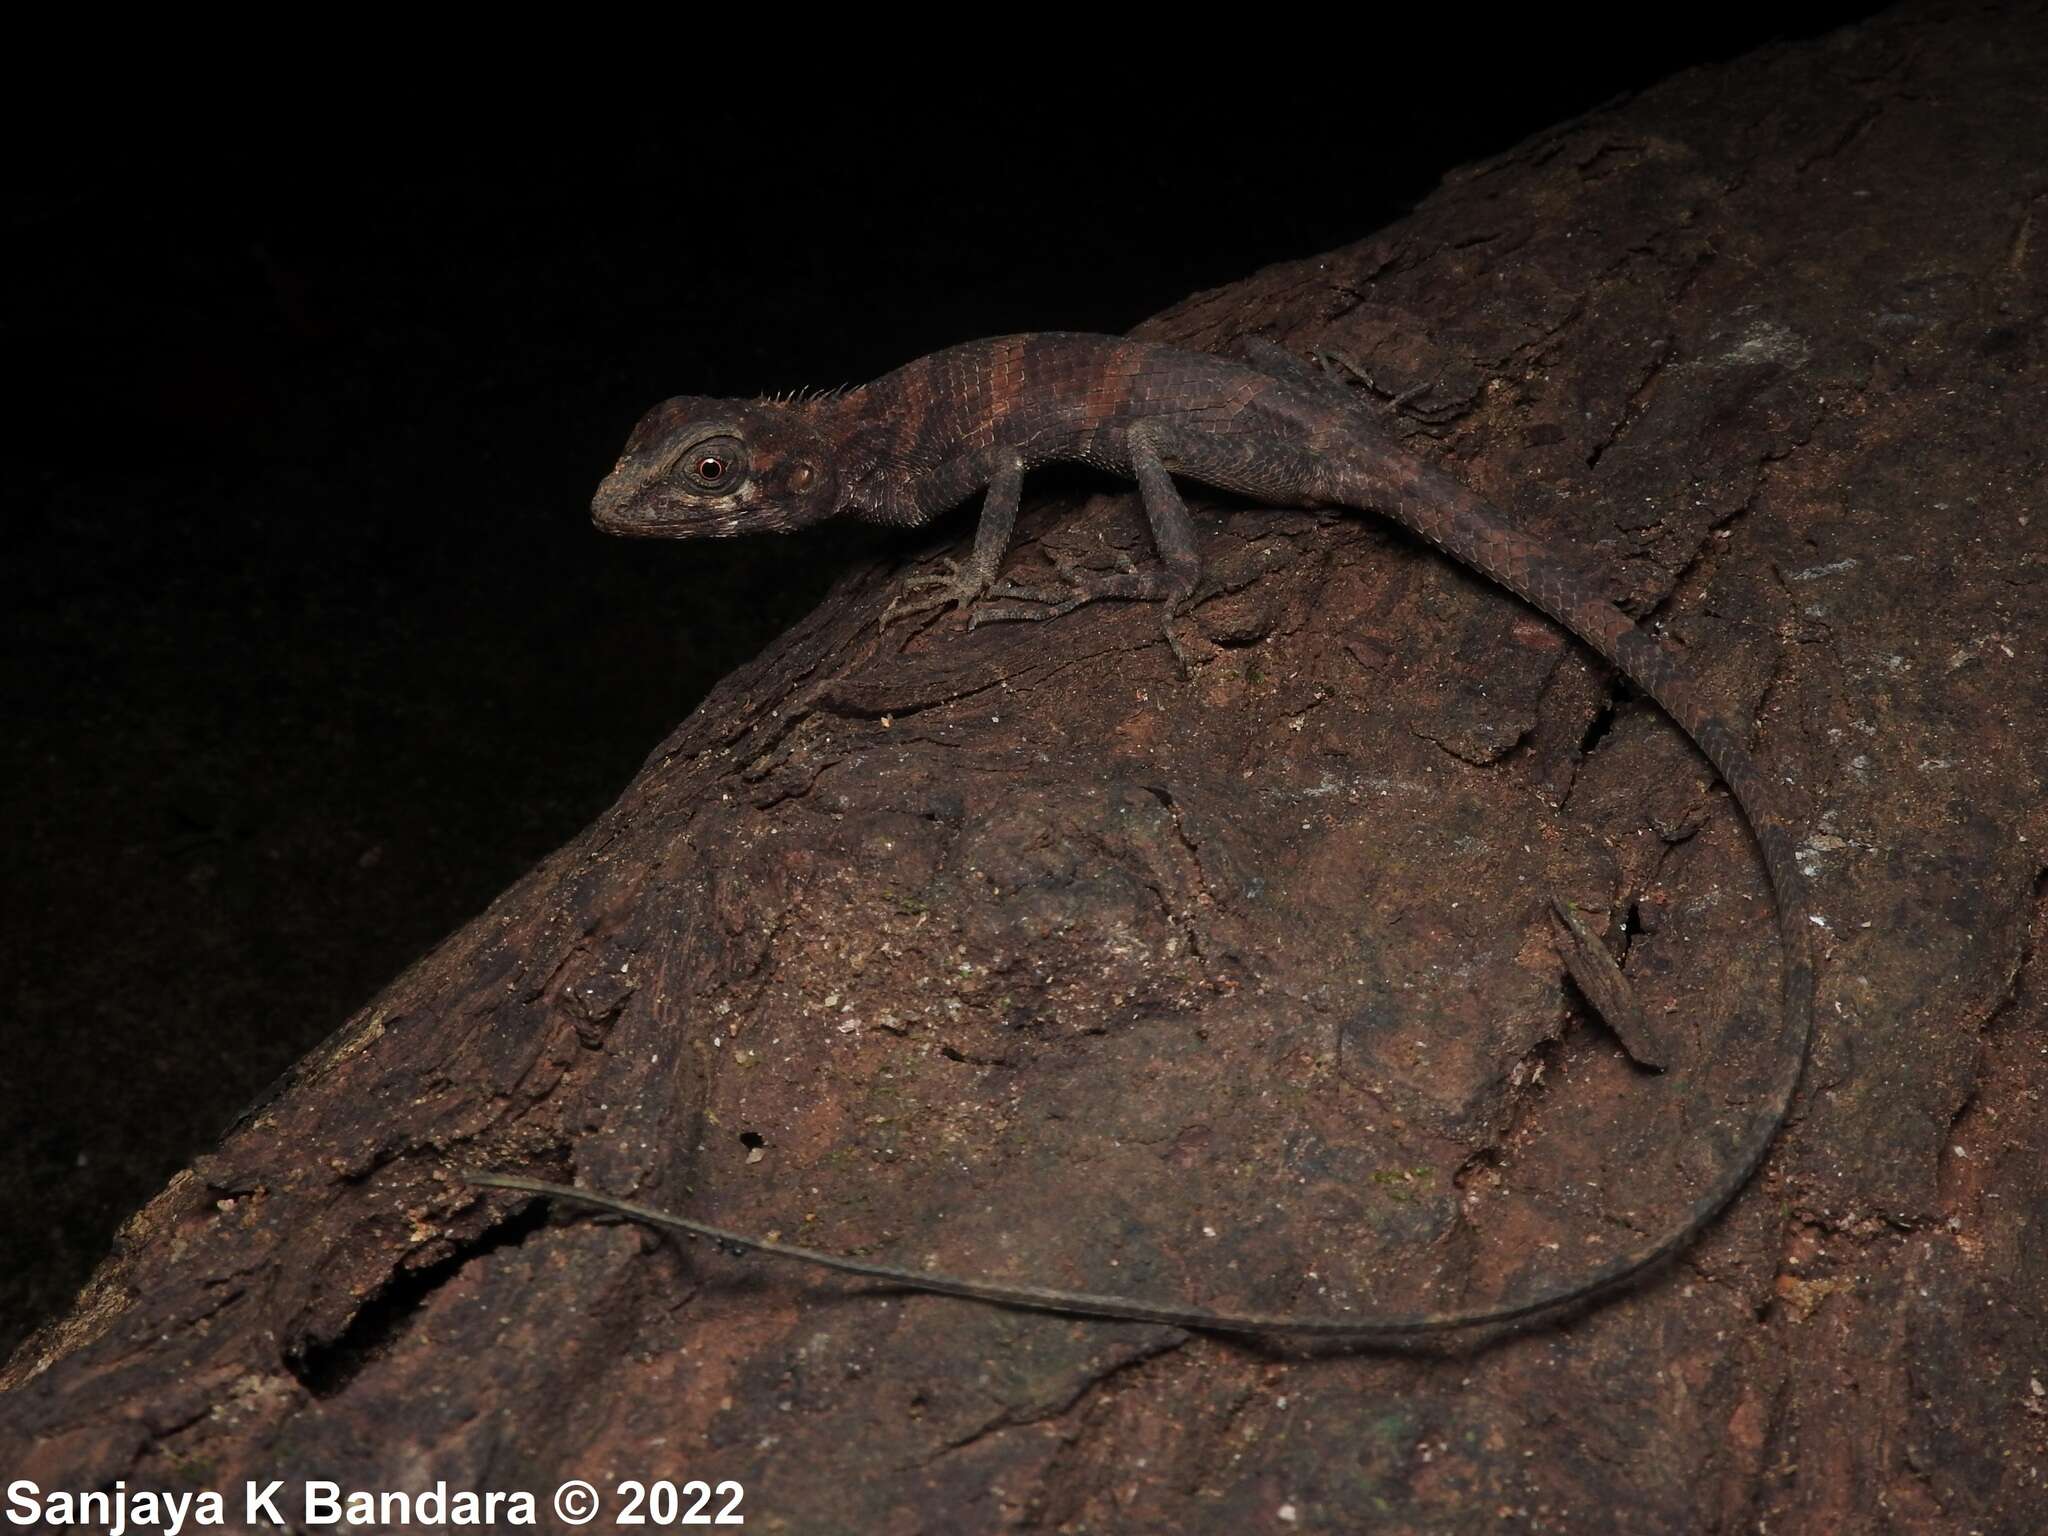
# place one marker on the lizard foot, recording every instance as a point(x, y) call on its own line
point(951, 585)
point(1046, 602)
point(1129, 582)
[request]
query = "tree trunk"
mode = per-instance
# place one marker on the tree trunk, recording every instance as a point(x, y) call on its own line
point(1024, 952)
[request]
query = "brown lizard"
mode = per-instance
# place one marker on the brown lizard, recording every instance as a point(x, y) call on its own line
point(976, 417)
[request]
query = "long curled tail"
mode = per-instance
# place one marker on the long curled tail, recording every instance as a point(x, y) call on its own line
point(1444, 512)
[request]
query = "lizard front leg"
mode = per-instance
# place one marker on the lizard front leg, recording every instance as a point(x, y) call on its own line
point(964, 584)
point(1170, 578)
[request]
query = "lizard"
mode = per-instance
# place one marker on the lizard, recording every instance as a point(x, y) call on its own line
point(976, 417)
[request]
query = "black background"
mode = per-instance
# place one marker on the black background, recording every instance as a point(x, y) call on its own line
point(311, 648)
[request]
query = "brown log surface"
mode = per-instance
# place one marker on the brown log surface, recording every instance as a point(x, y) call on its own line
point(1021, 952)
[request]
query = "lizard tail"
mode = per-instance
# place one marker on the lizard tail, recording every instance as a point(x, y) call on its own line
point(1441, 510)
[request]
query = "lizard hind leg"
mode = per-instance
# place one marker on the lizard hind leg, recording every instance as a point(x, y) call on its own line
point(1276, 362)
point(1170, 579)
point(1313, 378)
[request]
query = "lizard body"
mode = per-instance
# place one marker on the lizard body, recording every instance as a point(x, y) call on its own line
point(918, 441)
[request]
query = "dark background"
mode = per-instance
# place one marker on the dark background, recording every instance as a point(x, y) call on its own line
point(310, 646)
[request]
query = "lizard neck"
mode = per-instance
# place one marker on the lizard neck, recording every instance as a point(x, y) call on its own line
point(878, 481)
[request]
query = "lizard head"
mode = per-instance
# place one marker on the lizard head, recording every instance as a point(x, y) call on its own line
point(700, 469)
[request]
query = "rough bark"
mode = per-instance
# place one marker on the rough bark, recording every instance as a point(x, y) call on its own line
point(1022, 952)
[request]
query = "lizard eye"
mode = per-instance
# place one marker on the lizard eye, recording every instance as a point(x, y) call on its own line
point(717, 464)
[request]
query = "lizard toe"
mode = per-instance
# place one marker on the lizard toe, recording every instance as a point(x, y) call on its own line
point(954, 586)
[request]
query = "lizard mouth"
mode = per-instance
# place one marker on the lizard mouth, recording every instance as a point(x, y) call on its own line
point(639, 511)
point(629, 502)
point(613, 509)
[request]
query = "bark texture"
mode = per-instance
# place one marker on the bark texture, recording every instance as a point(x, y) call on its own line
point(1021, 952)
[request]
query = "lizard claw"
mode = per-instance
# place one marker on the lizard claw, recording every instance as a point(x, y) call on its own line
point(1081, 585)
point(1045, 603)
point(1048, 602)
point(951, 585)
